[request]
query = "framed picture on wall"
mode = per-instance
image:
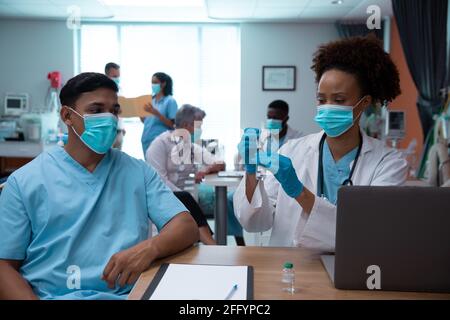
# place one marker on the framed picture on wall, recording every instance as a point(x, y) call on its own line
point(278, 78)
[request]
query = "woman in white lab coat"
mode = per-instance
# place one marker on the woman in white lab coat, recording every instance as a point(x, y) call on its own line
point(298, 201)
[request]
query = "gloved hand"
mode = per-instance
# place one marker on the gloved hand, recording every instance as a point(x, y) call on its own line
point(284, 172)
point(248, 149)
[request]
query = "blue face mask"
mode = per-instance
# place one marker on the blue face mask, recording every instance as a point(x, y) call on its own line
point(335, 120)
point(197, 134)
point(156, 88)
point(116, 80)
point(274, 124)
point(100, 131)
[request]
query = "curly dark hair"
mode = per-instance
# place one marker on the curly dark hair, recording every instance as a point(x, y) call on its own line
point(365, 58)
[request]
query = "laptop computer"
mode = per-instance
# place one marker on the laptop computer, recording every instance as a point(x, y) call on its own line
point(392, 238)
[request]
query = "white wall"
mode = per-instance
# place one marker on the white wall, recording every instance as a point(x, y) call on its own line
point(29, 50)
point(280, 44)
point(32, 48)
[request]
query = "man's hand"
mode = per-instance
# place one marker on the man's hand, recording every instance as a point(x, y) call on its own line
point(126, 266)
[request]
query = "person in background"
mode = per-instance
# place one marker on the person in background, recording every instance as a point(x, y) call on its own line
point(277, 119)
point(298, 201)
point(277, 123)
point(74, 222)
point(112, 71)
point(163, 107)
point(175, 155)
point(118, 142)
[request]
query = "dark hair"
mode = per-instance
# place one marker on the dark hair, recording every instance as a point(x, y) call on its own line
point(279, 105)
point(365, 58)
point(84, 82)
point(111, 65)
point(163, 77)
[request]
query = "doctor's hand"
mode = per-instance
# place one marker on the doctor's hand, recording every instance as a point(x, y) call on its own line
point(285, 173)
point(248, 149)
point(125, 267)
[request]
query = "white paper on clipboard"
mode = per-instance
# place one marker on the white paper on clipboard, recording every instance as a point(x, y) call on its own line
point(202, 282)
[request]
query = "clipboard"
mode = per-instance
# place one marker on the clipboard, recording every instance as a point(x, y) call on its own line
point(134, 107)
point(159, 278)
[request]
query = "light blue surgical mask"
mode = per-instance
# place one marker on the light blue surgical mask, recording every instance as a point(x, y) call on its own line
point(156, 88)
point(116, 80)
point(197, 134)
point(335, 120)
point(100, 131)
point(274, 124)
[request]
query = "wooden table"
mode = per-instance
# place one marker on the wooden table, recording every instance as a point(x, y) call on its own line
point(312, 281)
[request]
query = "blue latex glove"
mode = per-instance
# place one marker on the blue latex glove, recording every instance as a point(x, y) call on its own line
point(284, 172)
point(248, 149)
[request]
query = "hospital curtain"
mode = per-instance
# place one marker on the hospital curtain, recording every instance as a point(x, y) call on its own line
point(423, 32)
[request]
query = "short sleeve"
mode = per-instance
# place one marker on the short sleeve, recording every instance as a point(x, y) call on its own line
point(162, 204)
point(172, 108)
point(15, 229)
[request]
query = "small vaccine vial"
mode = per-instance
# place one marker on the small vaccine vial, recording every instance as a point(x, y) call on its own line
point(288, 277)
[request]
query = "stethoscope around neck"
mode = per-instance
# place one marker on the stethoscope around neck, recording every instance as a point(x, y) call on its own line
point(348, 181)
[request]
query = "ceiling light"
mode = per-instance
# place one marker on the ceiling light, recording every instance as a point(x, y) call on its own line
point(337, 2)
point(154, 3)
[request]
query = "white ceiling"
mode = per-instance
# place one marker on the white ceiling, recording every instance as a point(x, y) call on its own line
point(195, 10)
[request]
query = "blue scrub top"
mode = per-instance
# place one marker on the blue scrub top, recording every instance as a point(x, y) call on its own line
point(153, 127)
point(335, 173)
point(55, 214)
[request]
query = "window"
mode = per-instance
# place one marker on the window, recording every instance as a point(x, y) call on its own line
point(203, 61)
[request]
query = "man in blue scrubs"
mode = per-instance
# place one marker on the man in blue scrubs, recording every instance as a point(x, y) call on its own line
point(74, 222)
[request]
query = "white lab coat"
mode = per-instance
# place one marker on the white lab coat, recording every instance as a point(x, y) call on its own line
point(271, 207)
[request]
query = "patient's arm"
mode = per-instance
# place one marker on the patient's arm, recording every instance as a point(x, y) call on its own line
point(216, 167)
point(12, 285)
point(125, 267)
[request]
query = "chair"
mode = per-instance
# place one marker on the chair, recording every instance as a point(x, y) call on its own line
point(438, 167)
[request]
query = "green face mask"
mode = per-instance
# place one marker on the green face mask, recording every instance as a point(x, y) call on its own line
point(335, 120)
point(116, 80)
point(156, 88)
point(100, 131)
point(274, 124)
